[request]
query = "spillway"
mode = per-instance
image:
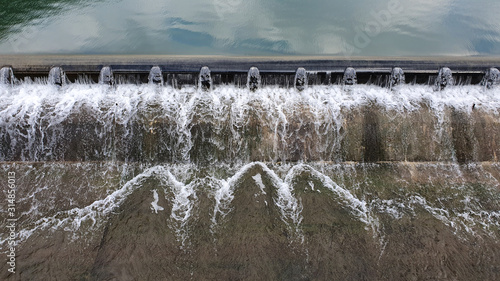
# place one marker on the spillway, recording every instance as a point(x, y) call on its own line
point(202, 169)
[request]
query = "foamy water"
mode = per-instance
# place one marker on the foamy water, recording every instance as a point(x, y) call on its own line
point(33, 116)
point(458, 207)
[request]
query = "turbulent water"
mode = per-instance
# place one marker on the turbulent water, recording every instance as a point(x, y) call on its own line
point(231, 125)
point(359, 182)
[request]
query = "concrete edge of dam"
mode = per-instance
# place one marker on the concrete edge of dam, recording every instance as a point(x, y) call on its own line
point(184, 70)
point(139, 63)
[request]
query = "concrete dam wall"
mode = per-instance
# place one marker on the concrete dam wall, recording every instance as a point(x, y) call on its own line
point(251, 173)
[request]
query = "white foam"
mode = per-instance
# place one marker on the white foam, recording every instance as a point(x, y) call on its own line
point(468, 215)
point(357, 207)
point(288, 205)
point(183, 204)
point(224, 194)
point(460, 218)
point(311, 185)
point(95, 213)
point(154, 205)
point(258, 180)
point(36, 107)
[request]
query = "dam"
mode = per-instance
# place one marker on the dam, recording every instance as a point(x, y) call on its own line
point(182, 168)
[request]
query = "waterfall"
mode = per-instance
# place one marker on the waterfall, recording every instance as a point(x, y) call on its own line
point(147, 123)
point(200, 181)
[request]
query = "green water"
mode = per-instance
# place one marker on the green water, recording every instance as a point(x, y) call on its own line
point(237, 27)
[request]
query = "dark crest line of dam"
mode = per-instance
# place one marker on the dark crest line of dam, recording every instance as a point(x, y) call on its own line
point(227, 70)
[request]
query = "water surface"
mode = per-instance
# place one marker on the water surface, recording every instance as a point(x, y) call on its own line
point(254, 27)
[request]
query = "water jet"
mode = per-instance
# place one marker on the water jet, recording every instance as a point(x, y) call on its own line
point(491, 78)
point(300, 79)
point(106, 76)
point(397, 77)
point(350, 77)
point(57, 76)
point(444, 79)
point(6, 75)
point(155, 75)
point(205, 79)
point(254, 80)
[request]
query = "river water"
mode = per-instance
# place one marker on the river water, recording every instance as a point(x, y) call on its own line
point(255, 27)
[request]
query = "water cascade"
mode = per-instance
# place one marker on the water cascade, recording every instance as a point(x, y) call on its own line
point(444, 79)
point(6, 76)
point(254, 79)
point(300, 79)
point(155, 75)
point(491, 78)
point(57, 76)
point(352, 173)
point(350, 77)
point(205, 78)
point(106, 76)
point(397, 77)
